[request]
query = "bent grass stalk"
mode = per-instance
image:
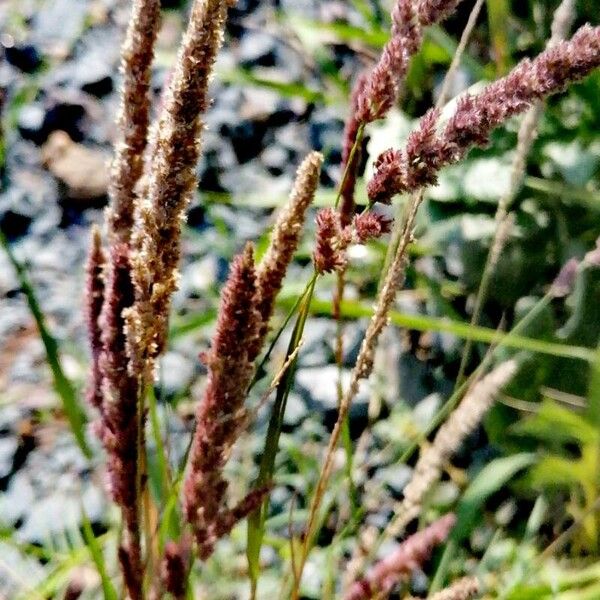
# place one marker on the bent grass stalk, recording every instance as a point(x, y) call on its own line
point(361, 370)
point(392, 279)
point(302, 304)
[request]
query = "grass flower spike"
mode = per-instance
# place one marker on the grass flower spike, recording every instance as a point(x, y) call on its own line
point(408, 556)
point(477, 116)
point(461, 422)
point(120, 427)
point(170, 182)
point(221, 411)
point(133, 120)
point(285, 238)
point(94, 298)
point(376, 92)
point(463, 589)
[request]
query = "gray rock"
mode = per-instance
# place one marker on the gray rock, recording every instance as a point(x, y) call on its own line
point(395, 477)
point(15, 569)
point(257, 48)
point(31, 122)
point(176, 372)
point(17, 499)
point(25, 57)
point(295, 411)
point(319, 386)
point(59, 23)
point(8, 446)
point(319, 337)
point(276, 159)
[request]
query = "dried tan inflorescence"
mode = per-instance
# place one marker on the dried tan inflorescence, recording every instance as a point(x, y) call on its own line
point(402, 561)
point(133, 120)
point(286, 237)
point(169, 185)
point(450, 436)
point(463, 589)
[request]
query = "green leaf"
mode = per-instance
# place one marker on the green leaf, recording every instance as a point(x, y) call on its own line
point(98, 557)
point(344, 32)
point(556, 471)
point(567, 193)
point(284, 89)
point(556, 423)
point(62, 384)
point(489, 480)
point(256, 521)
point(593, 396)
point(159, 474)
point(355, 309)
point(498, 15)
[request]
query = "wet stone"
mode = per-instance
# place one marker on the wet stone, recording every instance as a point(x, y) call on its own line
point(83, 171)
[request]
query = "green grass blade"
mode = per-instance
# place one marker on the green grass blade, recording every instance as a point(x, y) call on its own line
point(567, 193)
point(445, 410)
point(260, 369)
point(98, 557)
point(158, 465)
point(498, 13)
point(256, 520)
point(593, 397)
point(62, 384)
point(355, 310)
point(286, 90)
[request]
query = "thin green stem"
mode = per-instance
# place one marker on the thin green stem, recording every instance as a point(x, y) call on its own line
point(349, 164)
point(286, 321)
point(256, 521)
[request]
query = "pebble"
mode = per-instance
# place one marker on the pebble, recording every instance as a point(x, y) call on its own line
point(257, 48)
point(319, 387)
point(31, 121)
point(82, 170)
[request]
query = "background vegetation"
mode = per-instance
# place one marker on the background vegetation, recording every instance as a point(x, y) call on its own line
point(526, 487)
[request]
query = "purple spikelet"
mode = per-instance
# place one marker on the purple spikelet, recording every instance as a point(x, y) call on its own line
point(408, 556)
point(221, 411)
point(119, 429)
point(478, 115)
point(94, 298)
